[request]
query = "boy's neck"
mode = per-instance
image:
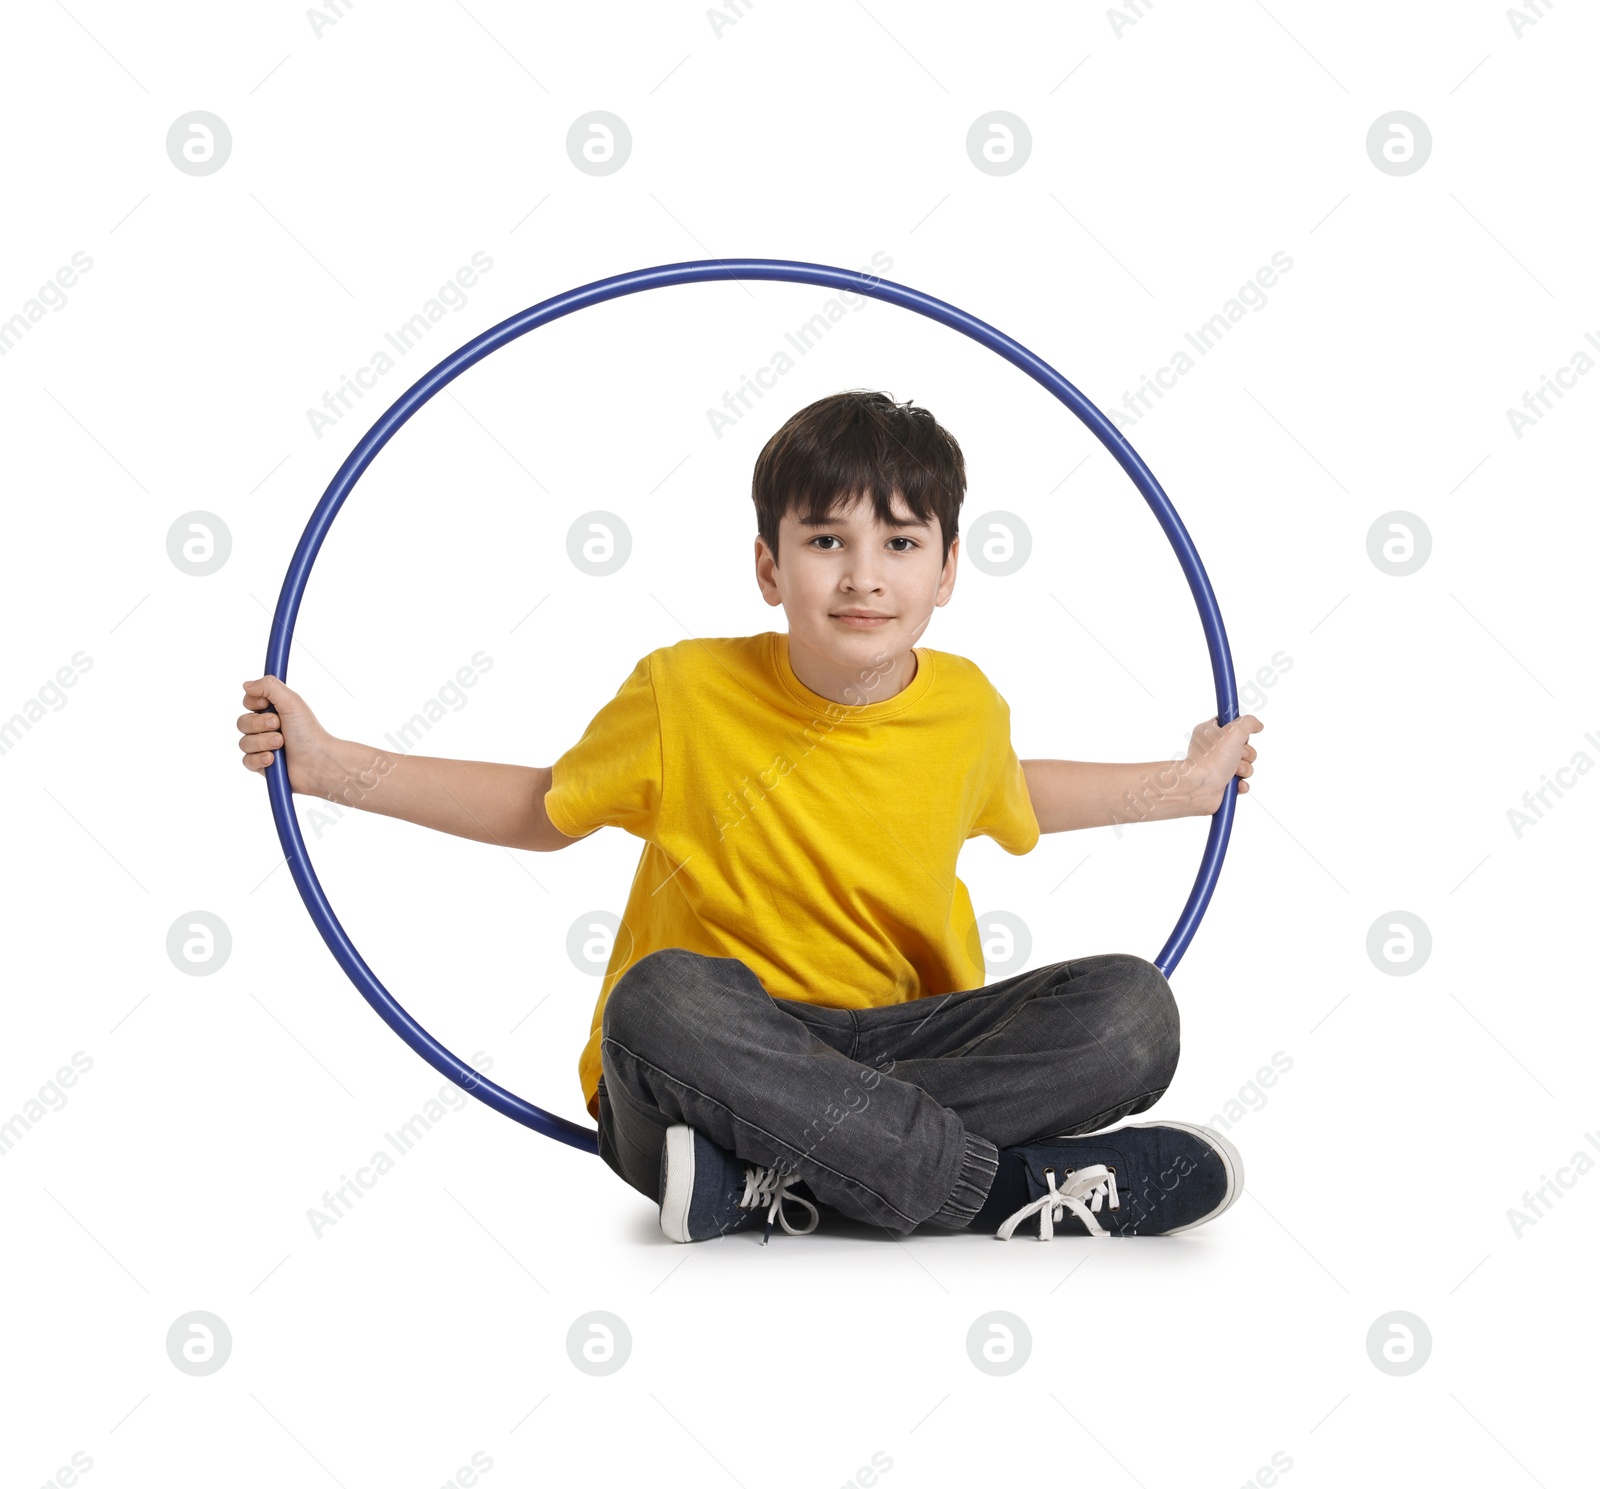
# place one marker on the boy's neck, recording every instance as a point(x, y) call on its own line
point(843, 682)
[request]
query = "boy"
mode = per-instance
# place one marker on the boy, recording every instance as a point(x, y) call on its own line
point(795, 1009)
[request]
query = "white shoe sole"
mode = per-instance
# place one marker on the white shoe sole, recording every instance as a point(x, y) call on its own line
point(1231, 1162)
point(679, 1191)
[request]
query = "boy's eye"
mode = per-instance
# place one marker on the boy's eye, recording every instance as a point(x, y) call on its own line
point(832, 538)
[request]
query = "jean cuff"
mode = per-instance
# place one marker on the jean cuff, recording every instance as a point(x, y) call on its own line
point(979, 1163)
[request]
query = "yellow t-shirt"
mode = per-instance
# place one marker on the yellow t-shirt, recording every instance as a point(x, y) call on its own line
point(815, 841)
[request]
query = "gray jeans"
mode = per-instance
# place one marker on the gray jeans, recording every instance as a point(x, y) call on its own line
point(894, 1115)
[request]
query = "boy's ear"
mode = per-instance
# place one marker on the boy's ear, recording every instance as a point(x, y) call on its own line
point(947, 580)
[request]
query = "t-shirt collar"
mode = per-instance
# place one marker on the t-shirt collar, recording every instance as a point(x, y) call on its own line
point(907, 697)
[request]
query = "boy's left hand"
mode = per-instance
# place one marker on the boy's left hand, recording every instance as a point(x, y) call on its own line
point(1218, 755)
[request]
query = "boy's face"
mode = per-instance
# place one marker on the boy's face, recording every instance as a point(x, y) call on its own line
point(832, 569)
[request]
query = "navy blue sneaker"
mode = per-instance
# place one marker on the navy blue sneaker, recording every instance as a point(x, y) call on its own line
point(707, 1191)
point(1144, 1179)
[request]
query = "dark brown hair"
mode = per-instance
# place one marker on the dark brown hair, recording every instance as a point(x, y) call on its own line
point(854, 444)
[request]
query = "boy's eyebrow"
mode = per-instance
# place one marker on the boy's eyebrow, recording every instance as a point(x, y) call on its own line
point(834, 522)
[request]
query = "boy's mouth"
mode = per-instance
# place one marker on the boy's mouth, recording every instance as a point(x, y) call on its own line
point(862, 620)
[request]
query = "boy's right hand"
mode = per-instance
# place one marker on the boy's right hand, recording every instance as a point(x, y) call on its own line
point(288, 724)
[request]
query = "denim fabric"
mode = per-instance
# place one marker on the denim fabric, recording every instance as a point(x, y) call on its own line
point(894, 1115)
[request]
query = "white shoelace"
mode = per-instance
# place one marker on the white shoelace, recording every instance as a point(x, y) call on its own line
point(1092, 1184)
point(769, 1184)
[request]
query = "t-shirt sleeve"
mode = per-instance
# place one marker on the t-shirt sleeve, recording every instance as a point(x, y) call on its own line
point(612, 777)
point(1006, 814)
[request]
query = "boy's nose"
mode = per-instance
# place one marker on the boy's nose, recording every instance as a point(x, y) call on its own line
point(863, 581)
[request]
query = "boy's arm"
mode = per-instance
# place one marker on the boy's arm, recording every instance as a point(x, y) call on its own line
point(477, 799)
point(1069, 794)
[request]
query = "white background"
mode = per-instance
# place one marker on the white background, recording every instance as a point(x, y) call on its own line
point(1172, 155)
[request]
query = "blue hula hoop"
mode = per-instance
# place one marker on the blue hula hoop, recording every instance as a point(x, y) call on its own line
point(662, 275)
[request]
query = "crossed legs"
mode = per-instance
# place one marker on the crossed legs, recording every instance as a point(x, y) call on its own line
point(892, 1115)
